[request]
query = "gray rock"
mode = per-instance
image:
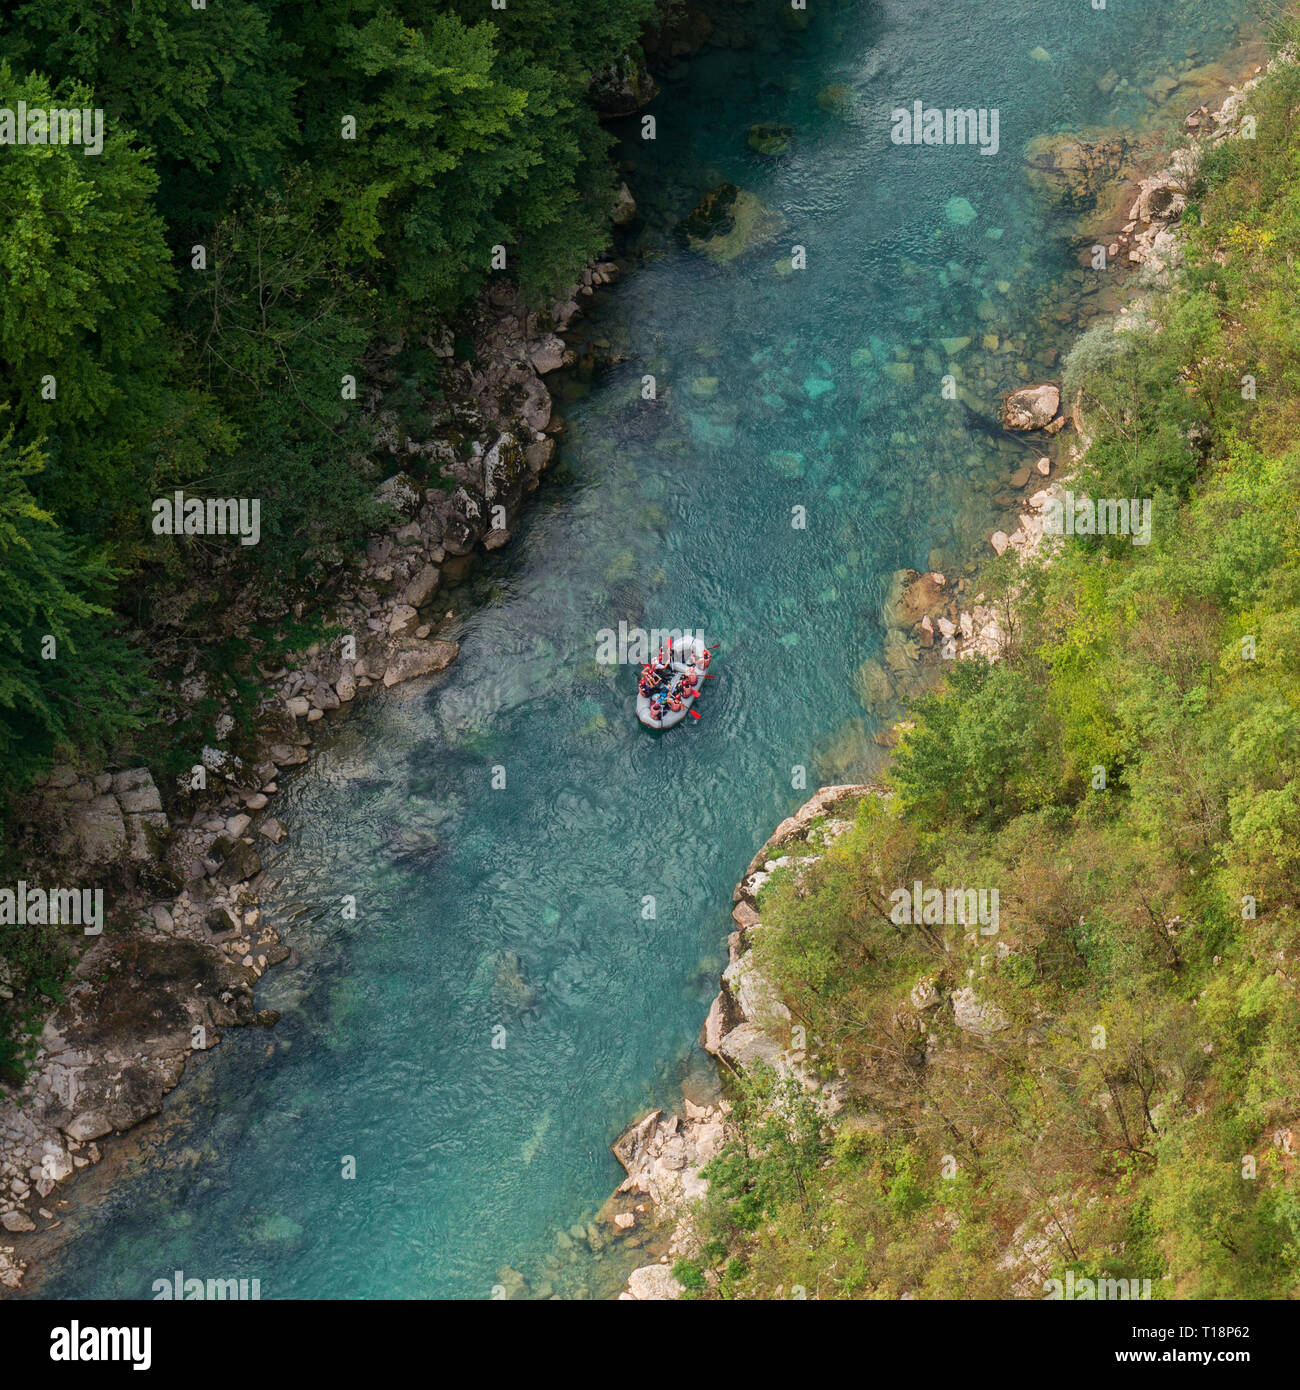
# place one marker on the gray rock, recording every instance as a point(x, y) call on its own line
point(549, 355)
point(624, 209)
point(421, 589)
point(243, 863)
point(98, 831)
point(136, 792)
point(653, 1283)
point(273, 829)
point(972, 1016)
point(404, 618)
point(422, 660)
point(90, 1124)
point(400, 492)
point(1031, 407)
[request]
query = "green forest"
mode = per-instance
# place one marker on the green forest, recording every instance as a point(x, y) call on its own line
point(1127, 777)
point(282, 191)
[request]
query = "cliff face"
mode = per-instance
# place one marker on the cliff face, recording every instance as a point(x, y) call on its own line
point(747, 1027)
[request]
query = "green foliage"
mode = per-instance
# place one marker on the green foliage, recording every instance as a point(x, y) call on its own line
point(968, 760)
point(284, 194)
point(67, 675)
point(82, 331)
point(210, 90)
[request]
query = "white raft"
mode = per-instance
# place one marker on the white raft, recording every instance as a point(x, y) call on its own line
point(685, 653)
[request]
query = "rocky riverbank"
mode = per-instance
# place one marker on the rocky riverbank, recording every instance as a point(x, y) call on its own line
point(747, 1027)
point(185, 938)
point(928, 615)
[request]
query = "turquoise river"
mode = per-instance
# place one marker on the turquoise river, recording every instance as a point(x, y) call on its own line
point(519, 912)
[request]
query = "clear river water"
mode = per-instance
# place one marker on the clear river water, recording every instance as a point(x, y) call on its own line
point(519, 912)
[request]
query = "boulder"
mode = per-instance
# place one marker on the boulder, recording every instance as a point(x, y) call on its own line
point(753, 992)
point(653, 1283)
point(624, 209)
point(286, 754)
point(323, 697)
point(912, 596)
point(136, 792)
point(421, 589)
point(242, 863)
point(549, 356)
point(423, 659)
point(749, 1046)
point(404, 618)
point(400, 492)
point(622, 88)
point(972, 1016)
point(98, 830)
point(273, 830)
point(1031, 407)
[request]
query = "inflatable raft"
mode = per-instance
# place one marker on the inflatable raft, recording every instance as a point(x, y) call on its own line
point(685, 653)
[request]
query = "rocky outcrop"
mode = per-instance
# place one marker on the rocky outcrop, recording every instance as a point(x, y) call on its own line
point(651, 1282)
point(663, 1156)
point(92, 827)
point(161, 982)
point(623, 88)
point(747, 1027)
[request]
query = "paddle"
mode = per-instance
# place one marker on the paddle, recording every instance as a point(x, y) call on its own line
point(693, 714)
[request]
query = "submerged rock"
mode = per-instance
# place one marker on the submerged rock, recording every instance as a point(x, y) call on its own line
point(728, 221)
point(1073, 171)
point(422, 659)
point(771, 139)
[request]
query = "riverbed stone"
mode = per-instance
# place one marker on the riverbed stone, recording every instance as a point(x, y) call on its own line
point(421, 660)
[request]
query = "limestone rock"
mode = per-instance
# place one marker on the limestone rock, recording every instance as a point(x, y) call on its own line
point(421, 589)
point(653, 1283)
point(972, 1016)
point(423, 659)
point(1031, 407)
